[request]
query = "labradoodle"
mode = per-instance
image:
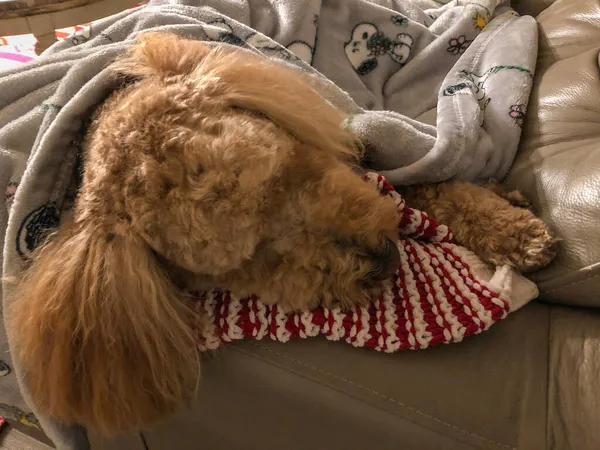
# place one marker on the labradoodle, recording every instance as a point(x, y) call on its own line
point(196, 176)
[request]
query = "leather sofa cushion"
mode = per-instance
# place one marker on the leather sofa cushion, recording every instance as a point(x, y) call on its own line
point(488, 392)
point(558, 165)
point(530, 7)
point(573, 382)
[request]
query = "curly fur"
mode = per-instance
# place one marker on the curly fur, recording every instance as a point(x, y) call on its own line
point(212, 169)
point(490, 220)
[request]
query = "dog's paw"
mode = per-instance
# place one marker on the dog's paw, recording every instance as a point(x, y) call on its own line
point(513, 196)
point(527, 245)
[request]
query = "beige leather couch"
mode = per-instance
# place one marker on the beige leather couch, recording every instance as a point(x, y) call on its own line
point(532, 382)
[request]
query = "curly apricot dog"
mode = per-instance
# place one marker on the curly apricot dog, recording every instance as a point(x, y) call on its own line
point(196, 176)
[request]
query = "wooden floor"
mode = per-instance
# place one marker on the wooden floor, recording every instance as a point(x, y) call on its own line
point(11, 439)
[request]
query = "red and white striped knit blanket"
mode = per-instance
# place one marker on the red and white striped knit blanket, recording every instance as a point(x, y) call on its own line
point(441, 293)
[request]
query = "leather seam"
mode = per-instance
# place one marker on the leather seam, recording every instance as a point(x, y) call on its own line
point(571, 284)
point(385, 397)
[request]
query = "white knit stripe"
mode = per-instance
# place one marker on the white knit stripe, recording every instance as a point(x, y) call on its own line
point(457, 330)
point(425, 273)
point(325, 327)
point(233, 316)
point(477, 286)
point(263, 318)
point(364, 334)
point(421, 222)
point(352, 334)
point(337, 330)
point(223, 315)
point(469, 308)
point(455, 270)
point(310, 329)
point(281, 333)
point(301, 325)
point(401, 302)
point(392, 341)
point(411, 228)
point(417, 338)
point(404, 295)
point(442, 232)
point(210, 335)
point(426, 224)
point(470, 258)
point(435, 251)
point(379, 317)
point(423, 276)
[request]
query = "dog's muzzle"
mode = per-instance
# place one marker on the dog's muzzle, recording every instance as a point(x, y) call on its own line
point(386, 262)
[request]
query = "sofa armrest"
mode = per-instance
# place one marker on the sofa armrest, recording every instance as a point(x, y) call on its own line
point(530, 7)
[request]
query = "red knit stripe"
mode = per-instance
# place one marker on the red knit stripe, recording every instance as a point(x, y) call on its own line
point(496, 311)
point(457, 307)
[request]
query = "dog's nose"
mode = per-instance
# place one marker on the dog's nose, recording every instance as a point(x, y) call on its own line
point(387, 261)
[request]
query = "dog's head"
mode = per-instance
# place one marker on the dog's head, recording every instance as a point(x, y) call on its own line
point(232, 168)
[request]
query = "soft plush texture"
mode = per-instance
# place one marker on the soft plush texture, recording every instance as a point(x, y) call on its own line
point(454, 57)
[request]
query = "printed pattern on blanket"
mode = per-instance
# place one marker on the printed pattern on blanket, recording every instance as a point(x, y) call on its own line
point(387, 63)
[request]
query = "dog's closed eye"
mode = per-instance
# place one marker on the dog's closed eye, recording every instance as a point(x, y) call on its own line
point(386, 261)
point(383, 261)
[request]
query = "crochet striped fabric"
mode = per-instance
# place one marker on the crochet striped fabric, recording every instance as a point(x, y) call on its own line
point(435, 297)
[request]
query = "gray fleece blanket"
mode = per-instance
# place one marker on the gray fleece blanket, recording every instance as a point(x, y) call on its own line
point(434, 91)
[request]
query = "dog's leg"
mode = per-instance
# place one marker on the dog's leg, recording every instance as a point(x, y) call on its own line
point(486, 223)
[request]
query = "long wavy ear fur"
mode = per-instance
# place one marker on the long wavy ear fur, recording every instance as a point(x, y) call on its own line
point(285, 97)
point(101, 333)
point(163, 54)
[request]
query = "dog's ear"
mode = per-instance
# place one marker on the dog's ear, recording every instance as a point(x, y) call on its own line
point(102, 334)
point(285, 97)
point(162, 54)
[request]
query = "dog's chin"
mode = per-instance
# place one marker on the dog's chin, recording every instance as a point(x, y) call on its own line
point(344, 292)
point(375, 289)
point(352, 294)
